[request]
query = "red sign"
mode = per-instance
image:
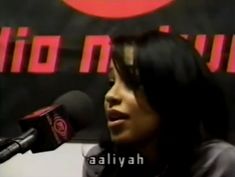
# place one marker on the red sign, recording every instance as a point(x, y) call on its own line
point(117, 9)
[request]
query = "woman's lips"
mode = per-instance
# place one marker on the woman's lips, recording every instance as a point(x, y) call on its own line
point(116, 117)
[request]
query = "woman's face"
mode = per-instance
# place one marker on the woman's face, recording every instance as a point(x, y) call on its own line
point(129, 116)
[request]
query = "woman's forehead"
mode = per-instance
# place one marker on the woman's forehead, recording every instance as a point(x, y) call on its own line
point(128, 59)
point(111, 69)
point(128, 55)
point(111, 66)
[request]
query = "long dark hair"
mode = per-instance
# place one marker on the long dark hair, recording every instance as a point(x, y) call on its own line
point(180, 88)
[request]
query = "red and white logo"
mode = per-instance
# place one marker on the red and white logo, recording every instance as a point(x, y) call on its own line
point(60, 127)
point(117, 9)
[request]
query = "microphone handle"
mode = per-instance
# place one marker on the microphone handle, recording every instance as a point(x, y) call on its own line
point(4, 142)
point(20, 144)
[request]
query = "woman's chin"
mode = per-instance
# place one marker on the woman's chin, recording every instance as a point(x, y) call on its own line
point(121, 138)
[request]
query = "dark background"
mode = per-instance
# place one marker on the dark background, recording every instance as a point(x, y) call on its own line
point(23, 93)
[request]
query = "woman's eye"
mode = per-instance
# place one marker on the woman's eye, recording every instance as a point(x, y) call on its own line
point(111, 83)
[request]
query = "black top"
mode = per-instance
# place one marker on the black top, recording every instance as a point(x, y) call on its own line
point(215, 158)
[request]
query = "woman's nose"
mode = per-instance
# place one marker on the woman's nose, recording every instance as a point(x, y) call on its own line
point(112, 99)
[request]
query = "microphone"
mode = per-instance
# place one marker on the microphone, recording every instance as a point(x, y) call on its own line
point(49, 127)
point(4, 142)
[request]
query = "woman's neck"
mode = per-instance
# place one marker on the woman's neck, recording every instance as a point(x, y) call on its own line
point(150, 152)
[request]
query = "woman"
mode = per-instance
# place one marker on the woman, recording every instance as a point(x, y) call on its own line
point(164, 105)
